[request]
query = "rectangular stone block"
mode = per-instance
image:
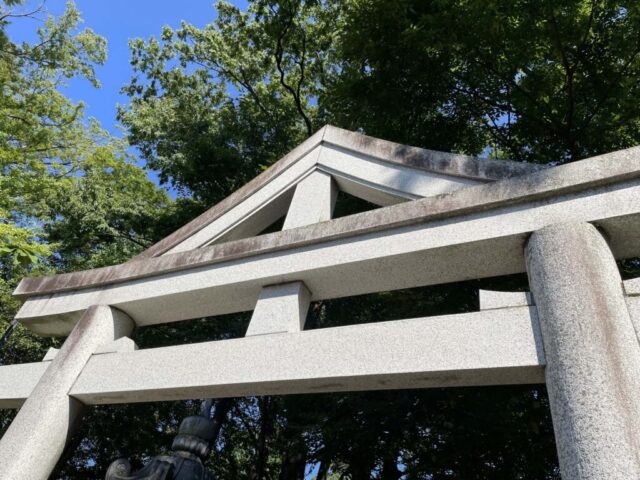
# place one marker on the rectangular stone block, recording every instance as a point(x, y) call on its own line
point(280, 308)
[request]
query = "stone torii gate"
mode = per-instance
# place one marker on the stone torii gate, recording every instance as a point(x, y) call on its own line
point(445, 218)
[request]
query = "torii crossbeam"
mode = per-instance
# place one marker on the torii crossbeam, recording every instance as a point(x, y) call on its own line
point(444, 218)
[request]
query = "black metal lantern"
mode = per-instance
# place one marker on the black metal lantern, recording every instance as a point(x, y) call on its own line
point(191, 448)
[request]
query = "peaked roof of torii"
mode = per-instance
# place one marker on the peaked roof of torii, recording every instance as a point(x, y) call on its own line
point(380, 171)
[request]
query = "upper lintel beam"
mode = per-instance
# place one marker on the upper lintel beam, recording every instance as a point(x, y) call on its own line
point(471, 233)
point(575, 177)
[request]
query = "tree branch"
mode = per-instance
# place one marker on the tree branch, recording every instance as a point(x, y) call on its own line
point(606, 96)
point(22, 15)
point(568, 76)
point(279, 52)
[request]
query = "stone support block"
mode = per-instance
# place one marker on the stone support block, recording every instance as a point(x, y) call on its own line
point(51, 354)
point(313, 201)
point(280, 308)
point(591, 350)
point(35, 440)
point(283, 308)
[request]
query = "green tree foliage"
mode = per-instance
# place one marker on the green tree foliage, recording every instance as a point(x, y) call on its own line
point(51, 156)
point(70, 195)
point(212, 107)
point(395, 77)
point(544, 81)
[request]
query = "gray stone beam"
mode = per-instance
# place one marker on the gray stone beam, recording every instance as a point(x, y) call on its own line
point(493, 347)
point(481, 348)
point(477, 245)
point(18, 381)
point(428, 160)
point(248, 225)
point(612, 172)
point(379, 182)
point(31, 447)
point(592, 352)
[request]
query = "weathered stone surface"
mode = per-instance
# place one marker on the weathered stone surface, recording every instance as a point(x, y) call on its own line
point(495, 347)
point(234, 199)
point(592, 353)
point(123, 344)
point(583, 176)
point(385, 183)
point(36, 438)
point(490, 299)
point(312, 202)
point(592, 347)
point(242, 222)
point(51, 354)
point(428, 160)
point(259, 209)
point(632, 287)
point(633, 304)
point(280, 308)
point(477, 245)
point(379, 182)
point(18, 381)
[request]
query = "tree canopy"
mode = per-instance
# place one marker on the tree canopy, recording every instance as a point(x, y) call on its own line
point(209, 108)
point(71, 196)
point(536, 80)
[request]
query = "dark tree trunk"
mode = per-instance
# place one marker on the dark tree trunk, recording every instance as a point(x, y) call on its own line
point(323, 470)
point(265, 426)
point(222, 407)
point(294, 456)
point(360, 469)
point(390, 469)
point(293, 466)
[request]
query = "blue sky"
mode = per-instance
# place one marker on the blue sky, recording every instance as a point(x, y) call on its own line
point(118, 21)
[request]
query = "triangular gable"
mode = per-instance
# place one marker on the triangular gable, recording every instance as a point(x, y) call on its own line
point(378, 171)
